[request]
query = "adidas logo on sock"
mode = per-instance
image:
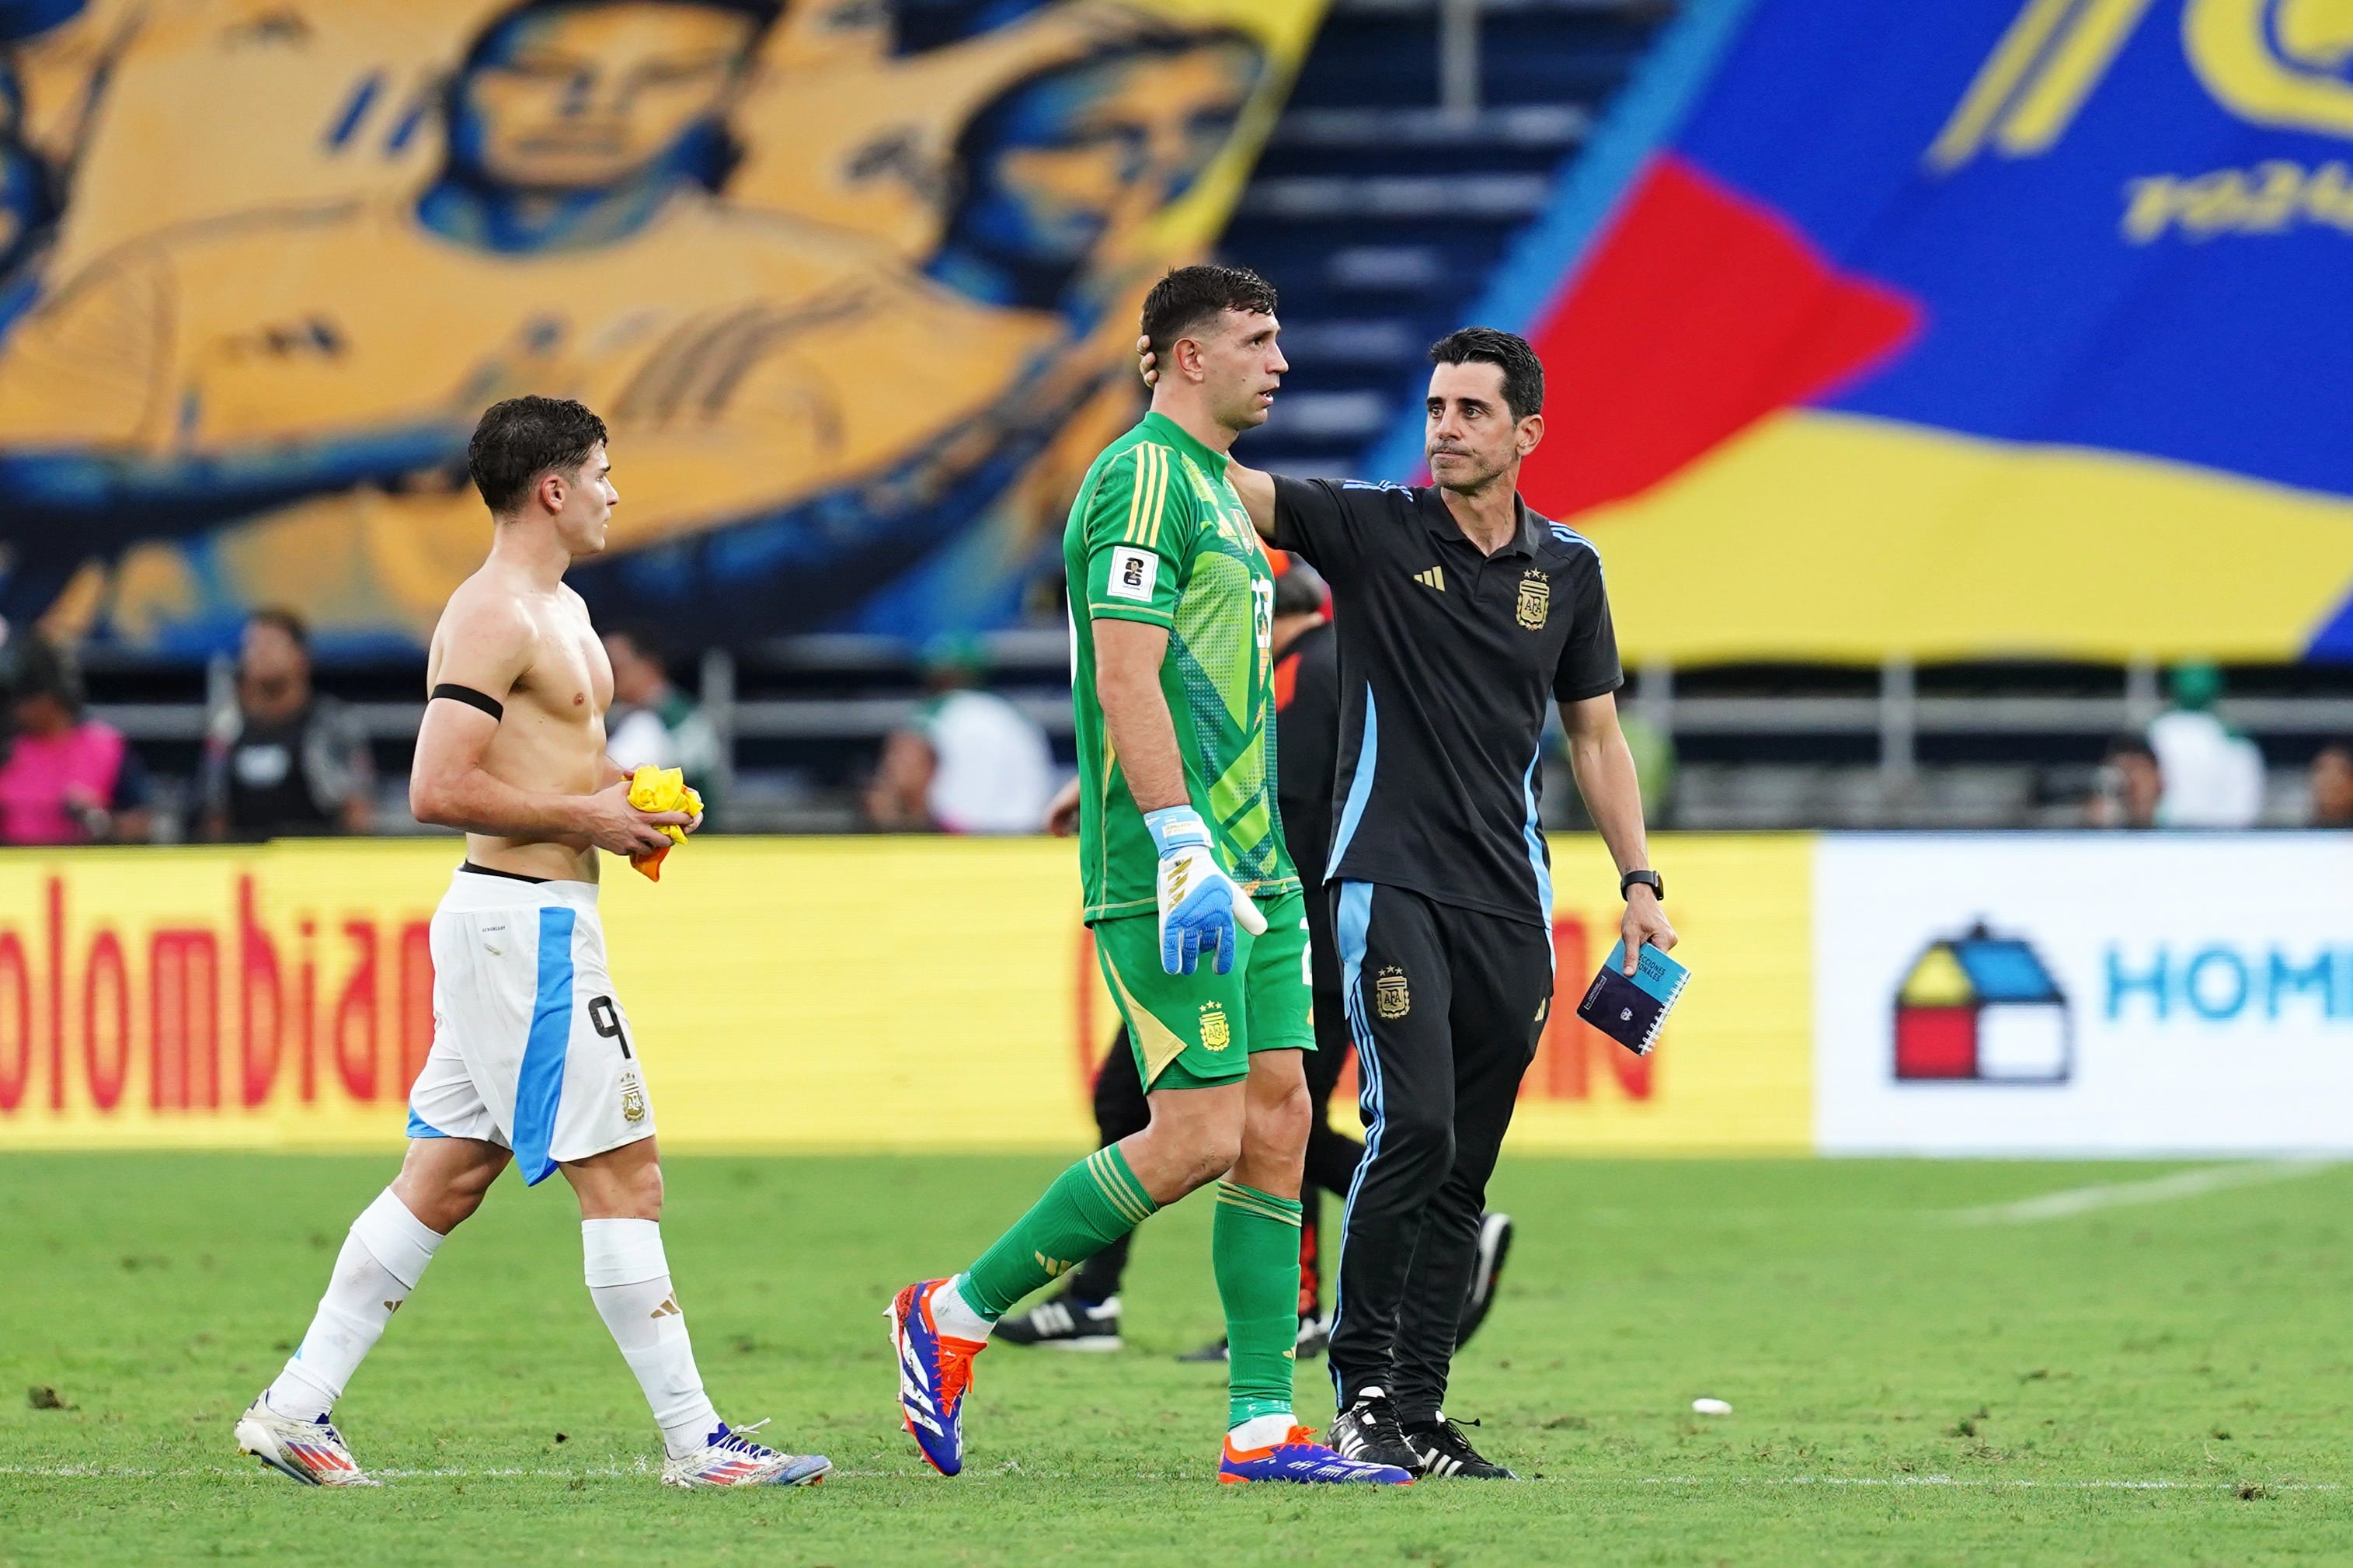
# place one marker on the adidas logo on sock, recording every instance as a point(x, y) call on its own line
point(668, 1309)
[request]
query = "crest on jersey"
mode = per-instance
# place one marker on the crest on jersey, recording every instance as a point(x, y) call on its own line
point(1535, 600)
point(1392, 998)
point(1216, 1032)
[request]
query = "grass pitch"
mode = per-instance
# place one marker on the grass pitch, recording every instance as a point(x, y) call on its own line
point(1918, 1375)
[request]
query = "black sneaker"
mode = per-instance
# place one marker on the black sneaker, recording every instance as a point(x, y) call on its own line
point(1065, 1324)
point(1367, 1431)
point(1444, 1450)
point(1313, 1335)
point(1486, 1269)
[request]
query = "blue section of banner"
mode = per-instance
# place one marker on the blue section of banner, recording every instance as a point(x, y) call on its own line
point(2154, 272)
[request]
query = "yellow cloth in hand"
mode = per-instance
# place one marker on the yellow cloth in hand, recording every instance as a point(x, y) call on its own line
point(661, 789)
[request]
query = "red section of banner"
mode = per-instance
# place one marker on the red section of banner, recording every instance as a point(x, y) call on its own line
point(1702, 311)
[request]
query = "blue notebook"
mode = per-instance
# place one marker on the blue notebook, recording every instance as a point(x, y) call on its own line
point(1631, 1008)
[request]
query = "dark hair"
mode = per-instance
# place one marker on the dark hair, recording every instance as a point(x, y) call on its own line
point(762, 14)
point(524, 437)
point(2131, 745)
point(42, 668)
point(1507, 352)
point(1189, 296)
point(1299, 591)
point(642, 637)
point(285, 620)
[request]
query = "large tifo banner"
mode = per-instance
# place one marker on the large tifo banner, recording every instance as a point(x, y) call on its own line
point(783, 995)
point(1959, 328)
point(853, 283)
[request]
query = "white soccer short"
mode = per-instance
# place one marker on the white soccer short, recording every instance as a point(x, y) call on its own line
point(531, 1048)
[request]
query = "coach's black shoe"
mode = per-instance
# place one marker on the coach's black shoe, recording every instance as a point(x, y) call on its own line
point(1065, 1324)
point(1367, 1431)
point(1444, 1450)
point(1486, 1270)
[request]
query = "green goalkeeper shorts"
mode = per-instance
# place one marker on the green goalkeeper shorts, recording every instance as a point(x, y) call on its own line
point(1197, 1030)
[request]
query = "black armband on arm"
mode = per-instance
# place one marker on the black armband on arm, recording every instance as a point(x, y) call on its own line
point(471, 698)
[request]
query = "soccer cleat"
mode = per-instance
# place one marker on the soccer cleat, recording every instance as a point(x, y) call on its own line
point(1066, 1324)
point(730, 1458)
point(1300, 1457)
point(1444, 1450)
point(1314, 1336)
point(934, 1371)
point(1486, 1270)
point(1367, 1432)
point(312, 1452)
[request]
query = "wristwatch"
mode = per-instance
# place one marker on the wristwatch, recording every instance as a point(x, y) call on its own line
point(1649, 879)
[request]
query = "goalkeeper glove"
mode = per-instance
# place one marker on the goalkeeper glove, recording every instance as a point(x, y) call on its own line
point(1199, 904)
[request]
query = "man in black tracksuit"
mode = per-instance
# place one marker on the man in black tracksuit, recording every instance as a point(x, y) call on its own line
point(1459, 614)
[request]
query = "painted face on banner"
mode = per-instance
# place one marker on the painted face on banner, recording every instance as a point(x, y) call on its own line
point(586, 98)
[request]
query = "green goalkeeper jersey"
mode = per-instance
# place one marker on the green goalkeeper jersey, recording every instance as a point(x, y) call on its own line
point(1157, 535)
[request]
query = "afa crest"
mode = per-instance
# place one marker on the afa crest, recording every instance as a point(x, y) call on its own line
point(1216, 1032)
point(1535, 600)
point(633, 1101)
point(1391, 997)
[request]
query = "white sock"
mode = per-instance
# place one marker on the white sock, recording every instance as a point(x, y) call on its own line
point(628, 1279)
point(955, 1317)
point(1264, 1431)
point(381, 1260)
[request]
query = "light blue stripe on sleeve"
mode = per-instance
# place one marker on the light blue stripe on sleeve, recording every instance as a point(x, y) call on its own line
point(1360, 784)
point(540, 1085)
point(1536, 842)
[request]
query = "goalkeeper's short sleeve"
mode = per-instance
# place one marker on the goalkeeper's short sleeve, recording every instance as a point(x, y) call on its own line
point(1140, 527)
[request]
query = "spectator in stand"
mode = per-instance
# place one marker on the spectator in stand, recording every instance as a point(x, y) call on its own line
point(654, 723)
point(2131, 784)
point(2332, 787)
point(67, 778)
point(2213, 775)
point(969, 762)
point(285, 762)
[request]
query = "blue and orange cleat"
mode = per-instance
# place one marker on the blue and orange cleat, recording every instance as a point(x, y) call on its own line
point(934, 1369)
point(1300, 1457)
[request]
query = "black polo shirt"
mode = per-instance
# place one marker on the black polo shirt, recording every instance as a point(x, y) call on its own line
point(1449, 659)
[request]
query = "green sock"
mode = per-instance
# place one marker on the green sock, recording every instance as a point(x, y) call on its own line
point(1254, 1247)
point(1090, 1205)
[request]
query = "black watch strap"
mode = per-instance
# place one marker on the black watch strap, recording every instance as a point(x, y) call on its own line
point(1649, 879)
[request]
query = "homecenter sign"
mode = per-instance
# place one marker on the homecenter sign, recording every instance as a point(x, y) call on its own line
point(2219, 983)
point(2186, 1032)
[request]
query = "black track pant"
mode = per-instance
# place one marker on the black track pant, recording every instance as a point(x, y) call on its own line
point(1332, 1155)
point(1446, 1005)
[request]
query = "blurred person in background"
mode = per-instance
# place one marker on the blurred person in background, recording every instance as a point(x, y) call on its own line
point(284, 762)
point(656, 724)
point(2332, 787)
point(969, 762)
point(2131, 784)
point(2213, 775)
point(67, 778)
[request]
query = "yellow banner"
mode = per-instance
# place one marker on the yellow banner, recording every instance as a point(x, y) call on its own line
point(784, 995)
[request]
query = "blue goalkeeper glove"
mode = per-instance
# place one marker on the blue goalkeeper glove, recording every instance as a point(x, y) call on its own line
point(1199, 904)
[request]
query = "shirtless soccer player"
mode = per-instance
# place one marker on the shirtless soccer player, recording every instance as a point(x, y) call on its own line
point(531, 1058)
point(1198, 920)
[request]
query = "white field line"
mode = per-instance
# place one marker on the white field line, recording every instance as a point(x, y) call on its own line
point(110, 1473)
point(2154, 1190)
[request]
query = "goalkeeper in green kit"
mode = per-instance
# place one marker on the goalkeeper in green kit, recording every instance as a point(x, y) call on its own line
point(1199, 921)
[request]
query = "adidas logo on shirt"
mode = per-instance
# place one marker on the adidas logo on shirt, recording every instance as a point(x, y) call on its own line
point(1433, 578)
